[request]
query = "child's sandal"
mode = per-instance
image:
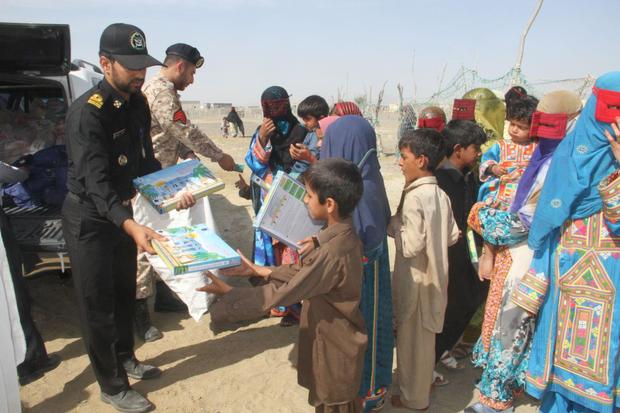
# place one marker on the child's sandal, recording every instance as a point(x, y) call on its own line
point(450, 362)
point(439, 380)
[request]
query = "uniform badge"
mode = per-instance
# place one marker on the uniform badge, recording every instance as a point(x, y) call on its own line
point(137, 41)
point(96, 100)
point(117, 103)
point(179, 116)
point(122, 160)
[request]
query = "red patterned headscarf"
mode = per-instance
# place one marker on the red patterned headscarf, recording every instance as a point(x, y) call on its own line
point(346, 108)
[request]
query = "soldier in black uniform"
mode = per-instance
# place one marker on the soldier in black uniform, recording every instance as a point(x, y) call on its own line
point(109, 144)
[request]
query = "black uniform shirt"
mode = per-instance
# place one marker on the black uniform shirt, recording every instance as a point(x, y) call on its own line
point(108, 145)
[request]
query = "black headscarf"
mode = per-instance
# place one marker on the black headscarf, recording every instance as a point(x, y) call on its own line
point(277, 107)
point(233, 117)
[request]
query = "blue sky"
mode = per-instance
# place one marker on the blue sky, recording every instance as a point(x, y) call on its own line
point(321, 46)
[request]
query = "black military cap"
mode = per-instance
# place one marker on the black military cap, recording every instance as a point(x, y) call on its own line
point(126, 44)
point(187, 52)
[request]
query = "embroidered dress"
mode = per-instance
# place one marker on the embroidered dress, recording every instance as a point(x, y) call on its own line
point(575, 351)
point(575, 359)
point(503, 347)
point(257, 158)
point(514, 158)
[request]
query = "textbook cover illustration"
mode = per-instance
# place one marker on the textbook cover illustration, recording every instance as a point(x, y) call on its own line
point(162, 188)
point(284, 215)
point(194, 248)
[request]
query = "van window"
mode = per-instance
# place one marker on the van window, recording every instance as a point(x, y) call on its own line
point(32, 118)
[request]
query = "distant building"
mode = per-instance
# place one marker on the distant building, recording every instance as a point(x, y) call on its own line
point(216, 105)
point(191, 104)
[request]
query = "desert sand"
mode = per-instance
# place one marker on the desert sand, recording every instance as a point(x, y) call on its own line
point(247, 370)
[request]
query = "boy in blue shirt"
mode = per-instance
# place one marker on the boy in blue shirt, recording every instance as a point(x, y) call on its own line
point(311, 110)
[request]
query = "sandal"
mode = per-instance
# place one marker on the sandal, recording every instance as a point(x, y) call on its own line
point(462, 350)
point(439, 380)
point(279, 311)
point(450, 362)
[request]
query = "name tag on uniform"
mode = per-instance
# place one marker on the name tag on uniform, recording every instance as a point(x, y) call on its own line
point(118, 133)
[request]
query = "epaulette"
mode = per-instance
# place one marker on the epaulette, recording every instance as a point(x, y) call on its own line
point(96, 99)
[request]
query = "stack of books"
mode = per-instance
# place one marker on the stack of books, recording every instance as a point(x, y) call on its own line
point(194, 248)
point(163, 188)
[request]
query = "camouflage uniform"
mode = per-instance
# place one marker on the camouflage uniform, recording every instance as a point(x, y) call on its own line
point(173, 136)
point(172, 133)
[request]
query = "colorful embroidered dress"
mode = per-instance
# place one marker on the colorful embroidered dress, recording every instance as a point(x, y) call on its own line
point(265, 161)
point(575, 359)
point(503, 347)
point(514, 158)
point(576, 344)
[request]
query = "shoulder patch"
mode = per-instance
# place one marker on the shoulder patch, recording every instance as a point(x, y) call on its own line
point(179, 116)
point(96, 100)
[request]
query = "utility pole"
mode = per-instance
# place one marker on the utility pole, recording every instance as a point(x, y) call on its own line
point(517, 69)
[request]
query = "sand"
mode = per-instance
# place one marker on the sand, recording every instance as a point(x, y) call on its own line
point(247, 370)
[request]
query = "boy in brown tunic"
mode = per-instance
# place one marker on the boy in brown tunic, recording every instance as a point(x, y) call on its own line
point(332, 336)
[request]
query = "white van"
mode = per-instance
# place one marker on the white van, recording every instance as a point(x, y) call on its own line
point(38, 82)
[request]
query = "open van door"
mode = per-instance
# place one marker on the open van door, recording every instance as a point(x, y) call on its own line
point(38, 49)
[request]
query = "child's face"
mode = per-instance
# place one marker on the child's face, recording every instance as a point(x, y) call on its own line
point(412, 166)
point(519, 131)
point(310, 122)
point(470, 155)
point(317, 210)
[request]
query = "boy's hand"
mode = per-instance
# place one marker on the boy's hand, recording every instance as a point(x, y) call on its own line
point(300, 152)
point(307, 245)
point(498, 170)
point(187, 201)
point(246, 269)
point(217, 286)
point(267, 128)
point(241, 183)
point(613, 141)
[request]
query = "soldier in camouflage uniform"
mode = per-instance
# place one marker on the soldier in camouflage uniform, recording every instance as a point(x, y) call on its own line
point(173, 137)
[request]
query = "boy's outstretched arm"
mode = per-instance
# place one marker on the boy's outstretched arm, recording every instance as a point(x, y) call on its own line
point(217, 286)
point(246, 269)
point(315, 277)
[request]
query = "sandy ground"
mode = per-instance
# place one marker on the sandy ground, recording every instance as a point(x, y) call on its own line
point(248, 370)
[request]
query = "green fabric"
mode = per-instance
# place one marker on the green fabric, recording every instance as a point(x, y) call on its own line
point(490, 114)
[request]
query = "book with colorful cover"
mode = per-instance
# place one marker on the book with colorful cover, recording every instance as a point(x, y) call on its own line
point(194, 248)
point(284, 214)
point(162, 188)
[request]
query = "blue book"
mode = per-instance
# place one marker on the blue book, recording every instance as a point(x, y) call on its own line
point(163, 188)
point(194, 248)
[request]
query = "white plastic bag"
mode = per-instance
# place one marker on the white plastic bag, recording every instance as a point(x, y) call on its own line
point(183, 285)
